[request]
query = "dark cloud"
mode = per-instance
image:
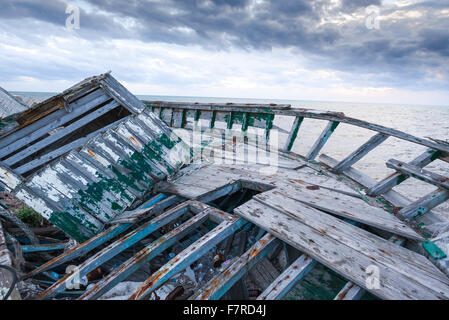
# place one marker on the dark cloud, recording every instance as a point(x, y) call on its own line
point(404, 48)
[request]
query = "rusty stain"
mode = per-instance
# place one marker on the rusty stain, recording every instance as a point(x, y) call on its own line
point(313, 188)
point(90, 153)
point(134, 141)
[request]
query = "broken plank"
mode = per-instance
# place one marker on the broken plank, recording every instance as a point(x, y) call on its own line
point(322, 139)
point(288, 279)
point(115, 248)
point(380, 250)
point(138, 260)
point(362, 151)
point(351, 291)
point(396, 178)
point(187, 257)
point(424, 205)
point(293, 133)
point(221, 284)
point(350, 208)
point(60, 134)
point(344, 260)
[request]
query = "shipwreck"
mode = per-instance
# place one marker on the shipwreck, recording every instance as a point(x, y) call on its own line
point(170, 200)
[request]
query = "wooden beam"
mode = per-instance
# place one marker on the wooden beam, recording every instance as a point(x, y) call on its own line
point(60, 134)
point(138, 260)
point(358, 154)
point(293, 133)
point(322, 139)
point(420, 174)
point(288, 279)
point(115, 248)
point(187, 257)
point(424, 205)
point(396, 178)
point(221, 284)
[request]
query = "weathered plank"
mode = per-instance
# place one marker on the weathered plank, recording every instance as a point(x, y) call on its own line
point(340, 257)
point(322, 139)
point(424, 205)
point(79, 107)
point(188, 256)
point(63, 150)
point(362, 151)
point(397, 258)
point(115, 248)
point(293, 133)
point(420, 174)
point(221, 284)
point(396, 178)
point(351, 291)
point(60, 133)
point(288, 279)
point(350, 208)
point(138, 260)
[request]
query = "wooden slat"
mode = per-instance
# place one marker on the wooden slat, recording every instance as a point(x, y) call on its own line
point(115, 248)
point(424, 205)
point(60, 133)
point(288, 279)
point(358, 154)
point(221, 284)
point(418, 173)
point(189, 255)
point(63, 150)
point(396, 178)
point(347, 207)
point(427, 222)
point(79, 107)
point(346, 261)
point(397, 258)
point(293, 133)
point(351, 291)
point(138, 260)
point(322, 139)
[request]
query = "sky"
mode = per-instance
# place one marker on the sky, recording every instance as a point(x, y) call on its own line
point(336, 50)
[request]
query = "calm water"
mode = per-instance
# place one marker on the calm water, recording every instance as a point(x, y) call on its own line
point(421, 121)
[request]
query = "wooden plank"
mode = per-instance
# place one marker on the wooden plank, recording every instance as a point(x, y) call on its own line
point(322, 139)
point(63, 150)
point(348, 207)
point(139, 259)
point(43, 247)
point(424, 205)
point(428, 222)
point(188, 256)
point(60, 133)
point(378, 249)
point(79, 107)
point(396, 178)
point(81, 249)
point(115, 248)
point(362, 151)
point(288, 279)
point(351, 291)
point(351, 264)
point(420, 174)
point(221, 284)
point(293, 133)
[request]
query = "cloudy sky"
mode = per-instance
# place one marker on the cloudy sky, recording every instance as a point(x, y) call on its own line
point(337, 50)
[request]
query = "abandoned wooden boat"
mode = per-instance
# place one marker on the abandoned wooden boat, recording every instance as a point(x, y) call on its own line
point(195, 201)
